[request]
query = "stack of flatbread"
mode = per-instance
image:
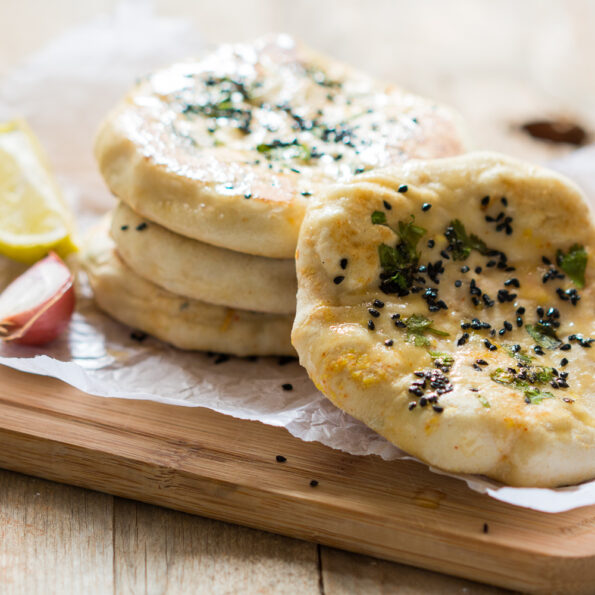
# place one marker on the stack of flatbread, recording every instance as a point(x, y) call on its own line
point(214, 162)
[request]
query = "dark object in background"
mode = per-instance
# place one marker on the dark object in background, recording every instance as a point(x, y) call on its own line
point(556, 131)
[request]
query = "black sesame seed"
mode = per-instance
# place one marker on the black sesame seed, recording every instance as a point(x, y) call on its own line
point(403, 188)
point(546, 260)
point(378, 303)
point(444, 254)
point(458, 283)
point(395, 316)
point(478, 270)
point(141, 226)
point(485, 201)
point(431, 243)
point(338, 279)
point(538, 350)
point(514, 282)
point(389, 342)
point(519, 321)
point(287, 386)
point(373, 312)
point(371, 325)
point(437, 408)
point(463, 339)
point(566, 347)
point(426, 206)
point(124, 227)
point(489, 345)
point(507, 325)
point(481, 362)
point(423, 402)
point(520, 310)
point(412, 405)
point(387, 205)
point(280, 459)
point(465, 269)
point(343, 263)
point(564, 362)
point(478, 368)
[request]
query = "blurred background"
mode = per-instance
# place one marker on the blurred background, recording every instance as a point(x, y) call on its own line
point(501, 64)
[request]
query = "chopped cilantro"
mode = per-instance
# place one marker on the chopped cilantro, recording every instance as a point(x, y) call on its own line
point(462, 244)
point(379, 218)
point(444, 361)
point(534, 395)
point(417, 326)
point(291, 150)
point(574, 264)
point(399, 264)
point(521, 357)
point(544, 335)
point(484, 402)
point(529, 387)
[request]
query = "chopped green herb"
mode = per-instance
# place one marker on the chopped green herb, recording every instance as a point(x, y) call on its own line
point(399, 264)
point(574, 264)
point(535, 395)
point(484, 402)
point(379, 218)
point(279, 149)
point(461, 243)
point(444, 361)
point(544, 335)
point(521, 357)
point(417, 326)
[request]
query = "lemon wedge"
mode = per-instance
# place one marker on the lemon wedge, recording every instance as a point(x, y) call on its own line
point(33, 216)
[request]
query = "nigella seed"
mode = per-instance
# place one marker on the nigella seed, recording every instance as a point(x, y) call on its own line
point(389, 342)
point(431, 243)
point(538, 350)
point(485, 201)
point(540, 311)
point(520, 310)
point(343, 263)
point(444, 254)
point(280, 459)
point(403, 188)
point(287, 386)
point(546, 260)
point(463, 339)
point(387, 205)
point(489, 345)
point(373, 312)
point(371, 325)
point(507, 325)
point(458, 283)
point(124, 227)
point(313, 483)
point(338, 279)
point(476, 367)
point(485, 528)
point(378, 303)
point(437, 408)
point(426, 206)
point(141, 226)
point(481, 362)
point(519, 321)
point(423, 402)
point(504, 201)
point(465, 269)
point(478, 270)
point(564, 362)
point(566, 347)
point(412, 405)
point(248, 195)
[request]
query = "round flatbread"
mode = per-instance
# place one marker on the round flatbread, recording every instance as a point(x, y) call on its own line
point(228, 149)
point(183, 322)
point(449, 305)
point(201, 271)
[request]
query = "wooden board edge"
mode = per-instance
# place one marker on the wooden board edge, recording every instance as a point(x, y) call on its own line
point(72, 464)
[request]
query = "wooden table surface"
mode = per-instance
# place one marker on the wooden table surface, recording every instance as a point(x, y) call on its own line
point(499, 64)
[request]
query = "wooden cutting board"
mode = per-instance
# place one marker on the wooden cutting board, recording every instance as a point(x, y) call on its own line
point(202, 462)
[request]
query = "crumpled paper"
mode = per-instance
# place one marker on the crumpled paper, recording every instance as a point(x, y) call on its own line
point(64, 91)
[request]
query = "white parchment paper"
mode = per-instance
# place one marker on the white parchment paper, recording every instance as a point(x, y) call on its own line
point(64, 91)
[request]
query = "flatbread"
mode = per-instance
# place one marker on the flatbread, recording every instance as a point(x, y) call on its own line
point(183, 322)
point(228, 149)
point(203, 272)
point(481, 370)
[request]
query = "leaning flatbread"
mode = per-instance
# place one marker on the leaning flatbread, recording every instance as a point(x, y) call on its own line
point(201, 271)
point(227, 149)
point(183, 322)
point(450, 305)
